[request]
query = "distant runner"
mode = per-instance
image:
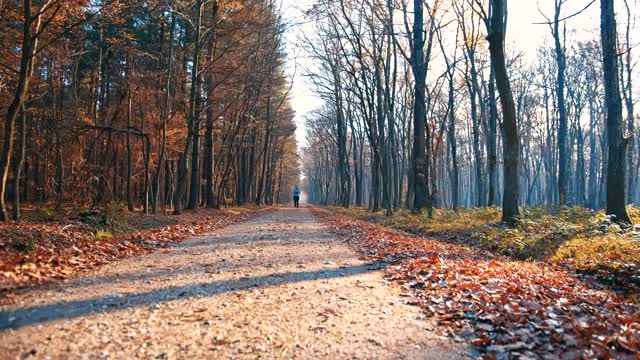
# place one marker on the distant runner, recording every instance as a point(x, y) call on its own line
point(296, 197)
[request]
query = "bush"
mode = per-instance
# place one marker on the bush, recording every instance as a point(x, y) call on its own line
point(45, 214)
point(117, 214)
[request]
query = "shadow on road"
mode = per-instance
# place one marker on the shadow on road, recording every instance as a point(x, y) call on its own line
point(74, 309)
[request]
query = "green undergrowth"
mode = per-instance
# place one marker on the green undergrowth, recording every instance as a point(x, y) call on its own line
point(583, 239)
point(103, 235)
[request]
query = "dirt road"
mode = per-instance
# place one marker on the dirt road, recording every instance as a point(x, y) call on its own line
point(277, 286)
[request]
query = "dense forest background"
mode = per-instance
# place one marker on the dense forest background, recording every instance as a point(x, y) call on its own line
point(181, 104)
point(159, 104)
point(428, 105)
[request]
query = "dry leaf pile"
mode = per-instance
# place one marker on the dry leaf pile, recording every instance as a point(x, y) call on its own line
point(57, 250)
point(502, 307)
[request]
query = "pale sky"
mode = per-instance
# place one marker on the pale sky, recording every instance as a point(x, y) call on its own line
point(303, 99)
point(522, 34)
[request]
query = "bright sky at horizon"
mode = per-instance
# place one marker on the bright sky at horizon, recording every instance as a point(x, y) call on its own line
point(523, 34)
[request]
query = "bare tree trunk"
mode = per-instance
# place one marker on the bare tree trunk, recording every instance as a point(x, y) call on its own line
point(581, 198)
point(165, 118)
point(192, 125)
point(629, 102)
point(492, 150)
point(563, 156)
point(129, 161)
point(194, 189)
point(59, 165)
point(454, 147)
point(146, 154)
point(343, 162)
point(209, 163)
point(420, 161)
point(480, 193)
point(265, 150)
point(19, 164)
point(510, 207)
point(616, 201)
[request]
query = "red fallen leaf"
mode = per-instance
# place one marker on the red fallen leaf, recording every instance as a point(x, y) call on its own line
point(627, 345)
point(482, 341)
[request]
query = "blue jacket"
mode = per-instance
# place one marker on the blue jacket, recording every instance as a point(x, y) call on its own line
point(296, 192)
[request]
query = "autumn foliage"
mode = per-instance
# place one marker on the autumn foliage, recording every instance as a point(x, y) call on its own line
point(153, 103)
point(501, 306)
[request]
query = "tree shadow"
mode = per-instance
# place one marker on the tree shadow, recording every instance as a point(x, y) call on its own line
point(73, 309)
point(208, 244)
point(240, 239)
point(206, 265)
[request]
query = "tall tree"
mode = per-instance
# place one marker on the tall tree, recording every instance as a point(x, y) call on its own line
point(420, 163)
point(496, 29)
point(616, 200)
point(31, 27)
point(563, 130)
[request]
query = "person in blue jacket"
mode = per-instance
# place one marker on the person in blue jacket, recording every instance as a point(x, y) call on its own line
point(296, 197)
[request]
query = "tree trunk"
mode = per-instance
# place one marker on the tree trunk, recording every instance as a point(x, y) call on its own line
point(420, 161)
point(209, 163)
point(455, 202)
point(616, 200)
point(265, 150)
point(129, 161)
point(194, 190)
point(29, 45)
point(343, 161)
point(563, 156)
point(59, 165)
point(165, 118)
point(19, 164)
point(510, 207)
point(183, 166)
point(492, 149)
point(629, 103)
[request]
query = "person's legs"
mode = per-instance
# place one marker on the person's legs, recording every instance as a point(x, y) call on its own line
point(296, 201)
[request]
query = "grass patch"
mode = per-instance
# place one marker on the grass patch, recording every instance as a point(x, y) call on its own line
point(103, 235)
point(443, 220)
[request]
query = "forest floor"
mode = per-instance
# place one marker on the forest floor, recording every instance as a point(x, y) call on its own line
point(577, 239)
point(49, 246)
point(279, 285)
point(563, 284)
